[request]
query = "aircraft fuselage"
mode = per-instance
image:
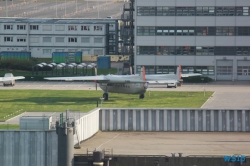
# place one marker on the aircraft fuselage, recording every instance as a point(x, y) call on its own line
point(127, 88)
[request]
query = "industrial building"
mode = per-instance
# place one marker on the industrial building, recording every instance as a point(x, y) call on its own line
point(210, 37)
point(42, 37)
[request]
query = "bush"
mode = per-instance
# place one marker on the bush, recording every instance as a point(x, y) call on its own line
point(16, 64)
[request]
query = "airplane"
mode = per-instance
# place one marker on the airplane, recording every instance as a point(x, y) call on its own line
point(170, 79)
point(9, 78)
point(114, 83)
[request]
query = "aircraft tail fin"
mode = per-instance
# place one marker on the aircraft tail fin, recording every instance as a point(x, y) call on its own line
point(178, 74)
point(143, 76)
point(95, 80)
point(96, 71)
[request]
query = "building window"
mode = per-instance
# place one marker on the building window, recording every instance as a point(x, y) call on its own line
point(204, 50)
point(98, 40)
point(225, 31)
point(60, 27)
point(85, 40)
point(72, 50)
point(185, 11)
point(72, 39)
point(242, 11)
point(47, 27)
point(97, 28)
point(242, 51)
point(34, 40)
point(8, 39)
point(146, 31)
point(146, 50)
point(225, 51)
point(243, 70)
point(59, 50)
point(21, 27)
point(205, 11)
point(72, 28)
point(8, 27)
point(47, 39)
point(98, 52)
point(46, 51)
point(165, 11)
point(85, 51)
point(146, 11)
point(224, 70)
point(33, 27)
point(85, 28)
point(21, 39)
point(225, 11)
point(185, 50)
point(59, 39)
point(243, 31)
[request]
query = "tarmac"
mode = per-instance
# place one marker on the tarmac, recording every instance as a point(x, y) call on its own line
point(165, 143)
point(227, 94)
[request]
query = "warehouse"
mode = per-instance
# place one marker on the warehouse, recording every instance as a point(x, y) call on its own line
point(210, 37)
point(42, 37)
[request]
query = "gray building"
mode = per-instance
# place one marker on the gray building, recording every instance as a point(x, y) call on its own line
point(43, 36)
point(207, 36)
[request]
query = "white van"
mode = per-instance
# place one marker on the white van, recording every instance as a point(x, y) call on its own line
point(9, 82)
point(172, 84)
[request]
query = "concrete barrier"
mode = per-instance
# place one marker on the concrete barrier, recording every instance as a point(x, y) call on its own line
point(174, 120)
point(87, 126)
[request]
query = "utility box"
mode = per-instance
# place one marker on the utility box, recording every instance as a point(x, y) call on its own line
point(67, 57)
point(103, 62)
point(15, 55)
point(35, 123)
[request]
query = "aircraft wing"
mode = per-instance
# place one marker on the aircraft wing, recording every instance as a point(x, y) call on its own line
point(79, 78)
point(190, 74)
point(162, 81)
point(2, 79)
point(101, 78)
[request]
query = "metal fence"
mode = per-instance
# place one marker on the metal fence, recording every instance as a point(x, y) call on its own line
point(174, 120)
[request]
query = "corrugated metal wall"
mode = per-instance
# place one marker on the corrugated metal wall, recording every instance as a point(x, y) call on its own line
point(174, 120)
point(28, 148)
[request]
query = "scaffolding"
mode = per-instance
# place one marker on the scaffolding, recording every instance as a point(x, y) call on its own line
point(127, 31)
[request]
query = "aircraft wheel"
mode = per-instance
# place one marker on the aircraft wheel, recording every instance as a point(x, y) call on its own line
point(105, 96)
point(141, 96)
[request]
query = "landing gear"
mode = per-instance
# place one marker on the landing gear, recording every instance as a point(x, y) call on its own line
point(105, 96)
point(141, 96)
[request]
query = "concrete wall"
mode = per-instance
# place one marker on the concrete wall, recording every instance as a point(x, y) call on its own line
point(87, 125)
point(163, 161)
point(174, 120)
point(28, 148)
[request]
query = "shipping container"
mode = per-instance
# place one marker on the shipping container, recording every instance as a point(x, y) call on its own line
point(35, 123)
point(103, 62)
point(67, 57)
point(15, 55)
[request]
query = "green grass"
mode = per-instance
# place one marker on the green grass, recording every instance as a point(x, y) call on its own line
point(14, 102)
point(9, 127)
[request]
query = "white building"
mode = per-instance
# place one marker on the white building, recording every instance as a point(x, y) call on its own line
point(43, 36)
point(207, 36)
